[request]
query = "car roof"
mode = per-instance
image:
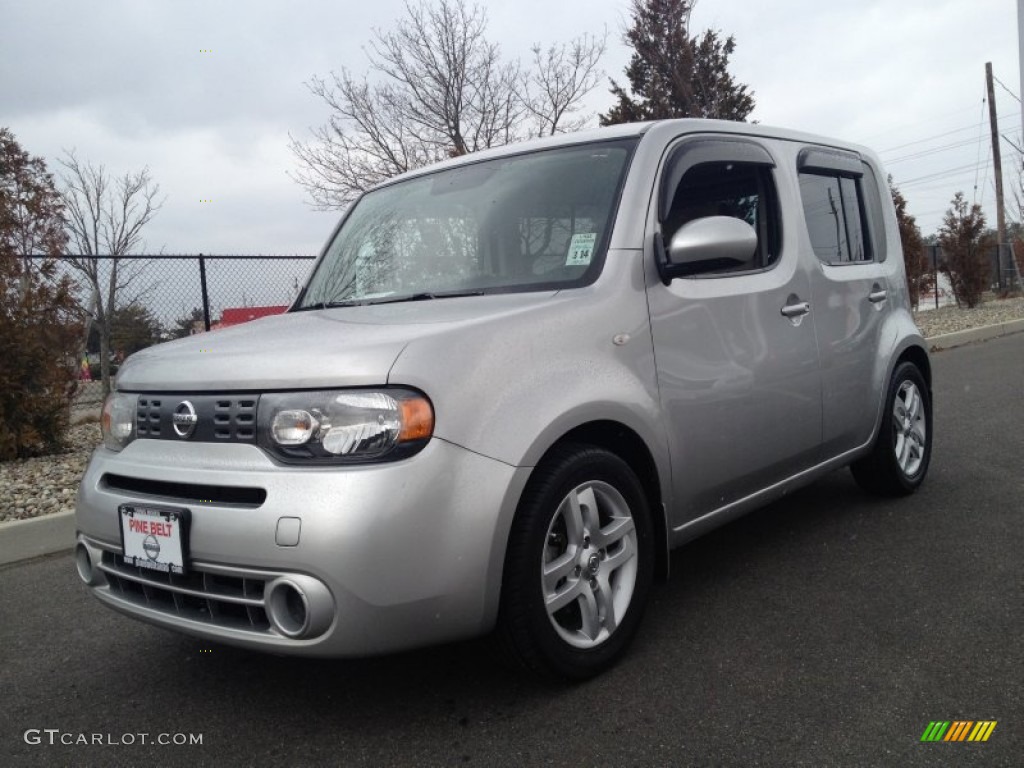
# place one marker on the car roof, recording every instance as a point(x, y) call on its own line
point(627, 130)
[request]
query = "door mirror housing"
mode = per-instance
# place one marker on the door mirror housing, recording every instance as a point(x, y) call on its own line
point(712, 243)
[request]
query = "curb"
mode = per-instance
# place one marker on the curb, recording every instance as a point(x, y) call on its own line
point(25, 539)
point(984, 333)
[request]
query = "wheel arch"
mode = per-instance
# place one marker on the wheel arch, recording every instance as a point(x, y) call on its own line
point(624, 442)
point(912, 349)
point(878, 471)
point(919, 357)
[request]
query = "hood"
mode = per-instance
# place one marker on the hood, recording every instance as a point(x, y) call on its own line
point(341, 347)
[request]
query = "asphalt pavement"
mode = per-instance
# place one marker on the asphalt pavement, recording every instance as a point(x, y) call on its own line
point(828, 629)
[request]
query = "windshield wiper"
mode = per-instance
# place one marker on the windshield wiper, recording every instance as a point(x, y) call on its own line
point(426, 295)
point(422, 296)
point(330, 305)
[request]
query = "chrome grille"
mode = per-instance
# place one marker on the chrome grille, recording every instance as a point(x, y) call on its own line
point(226, 601)
point(225, 418)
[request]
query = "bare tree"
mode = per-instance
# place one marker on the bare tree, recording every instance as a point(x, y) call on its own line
point(560, 78)
point(437, 88)
point(365, 141)
point(105, 217)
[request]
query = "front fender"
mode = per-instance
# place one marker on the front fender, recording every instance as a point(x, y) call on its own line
point(508, 387)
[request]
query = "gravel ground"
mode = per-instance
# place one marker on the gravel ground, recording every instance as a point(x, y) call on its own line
point(47, 484)
point(34, 487)
point(934, 322)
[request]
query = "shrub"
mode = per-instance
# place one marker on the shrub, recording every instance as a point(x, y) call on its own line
point(38, 327)
point(38, 314)
point(965, 242)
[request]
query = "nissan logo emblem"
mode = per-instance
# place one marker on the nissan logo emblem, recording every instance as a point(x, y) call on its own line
point(151, 547)
point(184, 420)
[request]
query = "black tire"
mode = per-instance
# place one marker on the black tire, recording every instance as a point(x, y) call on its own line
point(540, 536)
point(881, 471)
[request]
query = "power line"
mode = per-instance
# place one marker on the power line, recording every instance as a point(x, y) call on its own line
point(1012, 119)
point(962, 171)
point(936, 185)
point(970, 127)
point(931, 151)
point(981, 125)
point(958, 170)
point(926, 121)
point(984, 185)
point(1001, 85)
point(929, 138)
point(1011, 143)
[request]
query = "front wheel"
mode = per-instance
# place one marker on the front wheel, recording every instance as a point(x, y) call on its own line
point(899, 461)
point(579, 564)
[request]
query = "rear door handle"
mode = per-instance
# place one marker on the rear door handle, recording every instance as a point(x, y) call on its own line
point(876, 296)
point(796, 310)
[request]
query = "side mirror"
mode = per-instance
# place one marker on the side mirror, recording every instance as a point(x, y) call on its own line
point(702, 245)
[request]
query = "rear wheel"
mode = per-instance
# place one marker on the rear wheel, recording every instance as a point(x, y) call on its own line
point(899, 461)
point(579, 564)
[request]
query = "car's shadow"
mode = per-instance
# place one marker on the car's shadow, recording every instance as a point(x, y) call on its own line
point(457, 679)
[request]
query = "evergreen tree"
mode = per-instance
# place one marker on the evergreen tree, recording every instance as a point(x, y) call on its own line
point(674, 75)
point(965, 242)
point(918, 277)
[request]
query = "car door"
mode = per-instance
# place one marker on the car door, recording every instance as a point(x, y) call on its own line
point(849, 289)
point(735, 348)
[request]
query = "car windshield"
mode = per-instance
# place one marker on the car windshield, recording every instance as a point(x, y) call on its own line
point(534, 221)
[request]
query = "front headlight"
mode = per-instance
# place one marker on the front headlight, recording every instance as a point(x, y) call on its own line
point(118, 420)
point(342, 426)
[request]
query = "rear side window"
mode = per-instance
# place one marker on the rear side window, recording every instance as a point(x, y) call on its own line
point(835, 215)
point(876, 218)
point(842, 207)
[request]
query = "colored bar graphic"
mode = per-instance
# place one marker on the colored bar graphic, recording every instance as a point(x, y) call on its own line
point(958, 730)
point(935, 730)
point(986, 728)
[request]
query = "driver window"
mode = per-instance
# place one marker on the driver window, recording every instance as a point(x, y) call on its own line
point(741, 190)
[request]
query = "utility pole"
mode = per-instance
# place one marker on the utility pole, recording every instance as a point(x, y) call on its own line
point(1020, 59)
point(1020, 52)
point(996, 159)
point(997, 164)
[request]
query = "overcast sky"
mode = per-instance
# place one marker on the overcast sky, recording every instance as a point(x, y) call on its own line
point(124, 82)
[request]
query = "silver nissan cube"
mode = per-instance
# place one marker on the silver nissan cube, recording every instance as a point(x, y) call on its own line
point(512, 383)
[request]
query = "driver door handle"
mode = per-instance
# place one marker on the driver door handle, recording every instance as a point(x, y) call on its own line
point(796, 310)
point(876, 296)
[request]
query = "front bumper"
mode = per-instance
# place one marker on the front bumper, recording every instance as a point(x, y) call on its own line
point(398, 555)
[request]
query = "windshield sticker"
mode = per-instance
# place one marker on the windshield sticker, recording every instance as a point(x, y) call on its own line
point(581, 249)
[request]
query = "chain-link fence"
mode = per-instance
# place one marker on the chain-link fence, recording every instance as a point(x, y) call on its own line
point(1006, 275)
point(163, 297)
point(1003, 274)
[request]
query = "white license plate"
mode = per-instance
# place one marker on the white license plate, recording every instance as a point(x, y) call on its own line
point(154, 537)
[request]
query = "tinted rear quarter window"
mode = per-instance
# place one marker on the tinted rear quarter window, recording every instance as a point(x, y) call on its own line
point(844, 216)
